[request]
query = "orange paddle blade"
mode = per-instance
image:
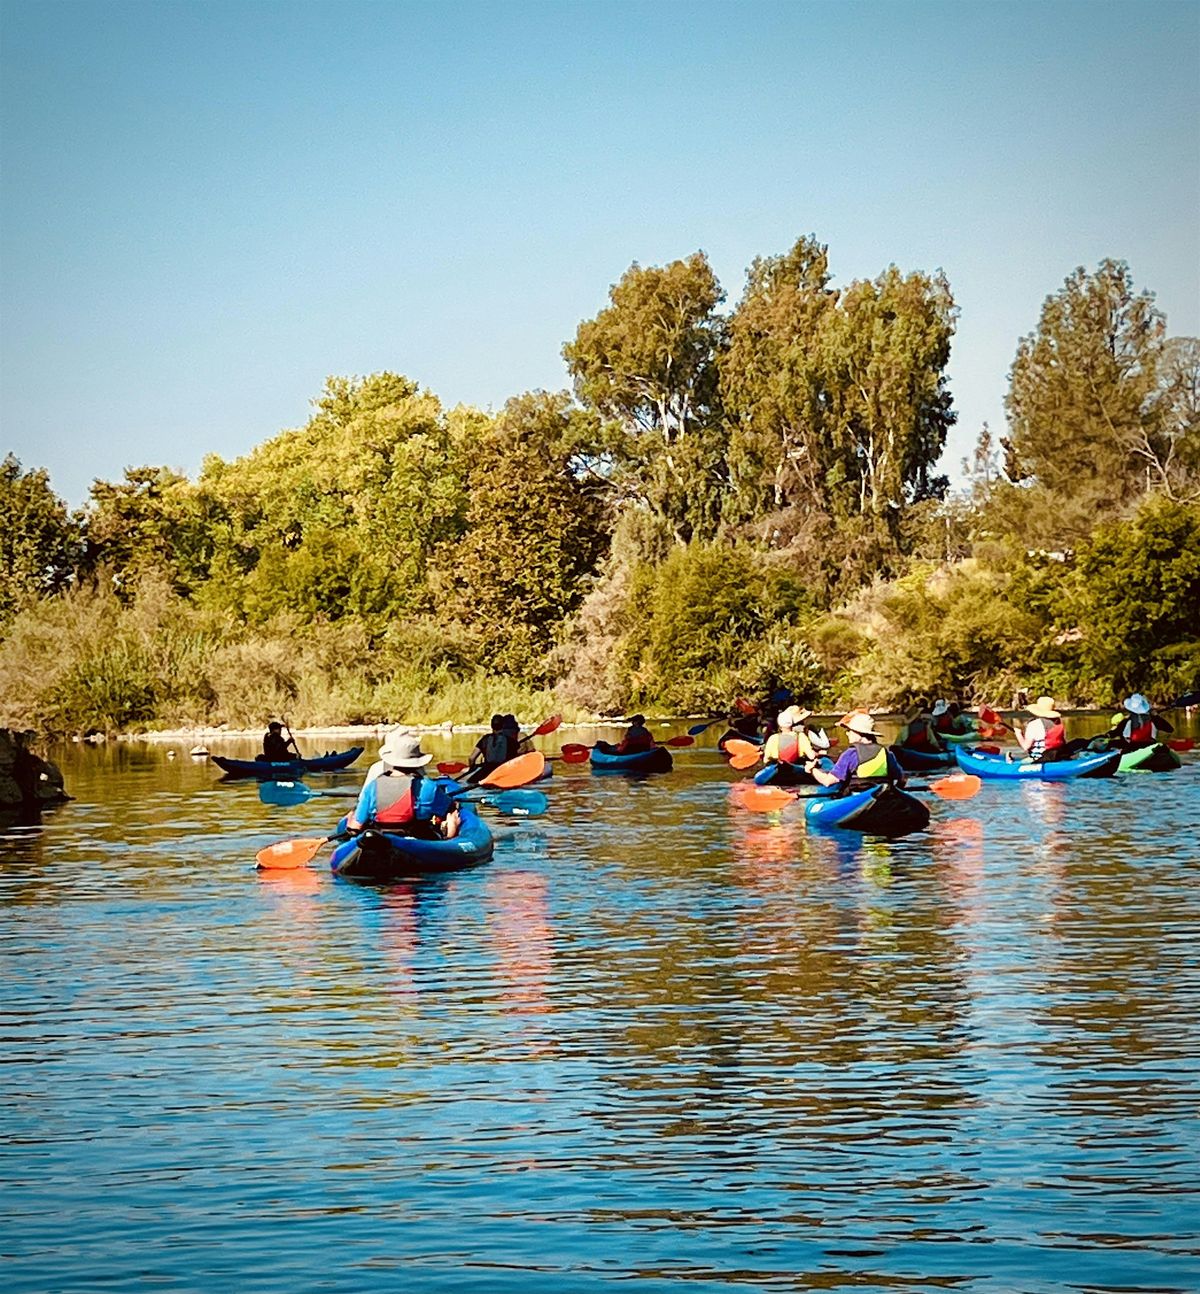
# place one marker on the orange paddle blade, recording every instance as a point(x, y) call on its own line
point(679, 741)
point(745, 758)
point(958, 786)
point(551, 725)
point(764, 799)
point(289, 853)
point(735, 747)
point(517, 772)
point(988, 715)
point(745, 707)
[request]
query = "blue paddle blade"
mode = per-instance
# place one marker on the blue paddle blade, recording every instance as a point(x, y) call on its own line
point(517, 804)
point(284, 793)
point(697, 728)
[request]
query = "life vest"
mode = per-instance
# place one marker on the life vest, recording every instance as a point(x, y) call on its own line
point(920, 735)
point(872, 763)
point(635, 741)
point(1047, 740)
point(788, 748)
point(945, 722)
point(401, 801)
point(1139, 734)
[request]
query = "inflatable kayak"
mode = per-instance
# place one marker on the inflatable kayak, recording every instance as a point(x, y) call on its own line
point(1103, 764)
point(605, 759)
point(387, 856)
point(916, 761)
point(877, 811)
point(267, 770)
point(1149, 759)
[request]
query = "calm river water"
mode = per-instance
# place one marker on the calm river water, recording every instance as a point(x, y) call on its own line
point(659, 1043)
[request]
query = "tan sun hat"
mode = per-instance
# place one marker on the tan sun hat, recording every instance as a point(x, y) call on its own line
point(793, 715)
point(402, 749)
point(1043, 707)
point(859, 721)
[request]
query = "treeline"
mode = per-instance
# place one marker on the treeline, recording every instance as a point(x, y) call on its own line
point(727, 501)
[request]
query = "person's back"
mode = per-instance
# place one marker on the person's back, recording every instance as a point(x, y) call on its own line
point(791, 744)
point(918, 734)
point(276, 748)
point(401, 799)
point(637, 737)
point(1140, 726)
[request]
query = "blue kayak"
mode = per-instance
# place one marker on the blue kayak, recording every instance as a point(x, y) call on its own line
point(287, 771)
point(777, 773)
point(389, 856)
point(917, 761)
point(605, 759)
point(1103, 764)
point(876, 811)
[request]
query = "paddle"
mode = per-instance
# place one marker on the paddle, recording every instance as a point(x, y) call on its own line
point(299, 853)
point(697, 728)
point(281, 793)
point(576, 753)
point(958, 786)
point(517, 804)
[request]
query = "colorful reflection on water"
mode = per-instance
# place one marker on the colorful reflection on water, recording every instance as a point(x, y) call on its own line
point(659, 1042)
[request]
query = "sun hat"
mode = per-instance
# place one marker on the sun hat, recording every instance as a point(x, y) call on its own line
point(859, 721)
point(793, 715)
point(1136, 704)
point(1043, 707)
point(402, 749)
point(940, 708)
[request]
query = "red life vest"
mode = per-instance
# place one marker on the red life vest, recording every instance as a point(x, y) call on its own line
point(1142, 735)
point(920, 735)
point(789, 748)
point(636, 740)
point(393, 801)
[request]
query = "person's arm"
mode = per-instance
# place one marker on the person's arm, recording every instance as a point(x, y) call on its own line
point(1022, 738)
point(897, 773)
point(1161, 724)
point(360, 815)
point(842, 770)
point(476, 756)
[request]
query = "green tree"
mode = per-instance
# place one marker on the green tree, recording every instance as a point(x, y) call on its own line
point(537, 525)
point(40, 543)
point(1084, 398)
point(648, 362)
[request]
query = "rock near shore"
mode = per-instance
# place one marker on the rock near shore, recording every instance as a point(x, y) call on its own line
point(26, 780)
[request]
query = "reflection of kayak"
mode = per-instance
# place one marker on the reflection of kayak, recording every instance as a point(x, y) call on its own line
point(733, 735)
point(605, 759)
point(288, 770)
point(877, 811)
point(1103, 764)
point(386, 856)
point(780, 774)
point(915, 761)
point(1149, 759)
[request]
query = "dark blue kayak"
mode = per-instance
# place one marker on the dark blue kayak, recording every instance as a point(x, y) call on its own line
point(389, 856)
point(606, 760)
point(778, 773)
point(876, 811)
point(1103, 764)
point(288, 770)
point(917, 761)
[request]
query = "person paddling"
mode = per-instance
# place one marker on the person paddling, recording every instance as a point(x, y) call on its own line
point(1139, 726)
point(494, 748)
point(1044, 737)
point(865, 760)
point(918, 732)
point(637, 737)
point(793, 743)
point(401, 799)
point(278, 749)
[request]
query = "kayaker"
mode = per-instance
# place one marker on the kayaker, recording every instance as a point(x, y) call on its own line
point(918, 732)
point(637, 737)
point(863, 760)
point(1044, 737)
point(494, 748)
point(1139, 725)
point(400, 799)
point(278, 749)
point(793, 743)
point(949, 719)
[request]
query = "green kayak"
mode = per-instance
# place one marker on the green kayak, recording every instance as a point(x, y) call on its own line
point(1149, 759)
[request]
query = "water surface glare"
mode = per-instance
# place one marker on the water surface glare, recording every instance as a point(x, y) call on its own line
point(658, 1043)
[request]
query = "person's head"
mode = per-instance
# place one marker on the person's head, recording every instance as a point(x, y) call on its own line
point(1136, 704)
point(637, 720)
point(274, 726)
point(401, 750)
point(497, 722)
point(1043, 708)
point(793, 717)
point(511, 724)
point(859, 726)
point(940, 708)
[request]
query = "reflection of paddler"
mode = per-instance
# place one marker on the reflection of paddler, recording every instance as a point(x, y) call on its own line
point(524, 937)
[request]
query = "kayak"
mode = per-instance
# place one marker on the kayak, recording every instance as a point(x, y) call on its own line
point(389, 856)
point(780, 774)
point(605, 759)
point(733, 735)
point(287, 771)
point(877, 811)
point(1156, 758)
point(1103, 764)
point(916, 761)
point(959, 738)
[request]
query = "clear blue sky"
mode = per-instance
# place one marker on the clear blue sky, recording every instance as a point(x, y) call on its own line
point(209, 207)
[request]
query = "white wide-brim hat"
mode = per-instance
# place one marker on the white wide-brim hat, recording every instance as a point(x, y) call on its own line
point(793, 715)
point(402, 749)
point(859, 721)
point(1136, 704)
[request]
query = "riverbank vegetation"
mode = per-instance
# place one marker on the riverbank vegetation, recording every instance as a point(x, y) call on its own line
point(727, 500)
